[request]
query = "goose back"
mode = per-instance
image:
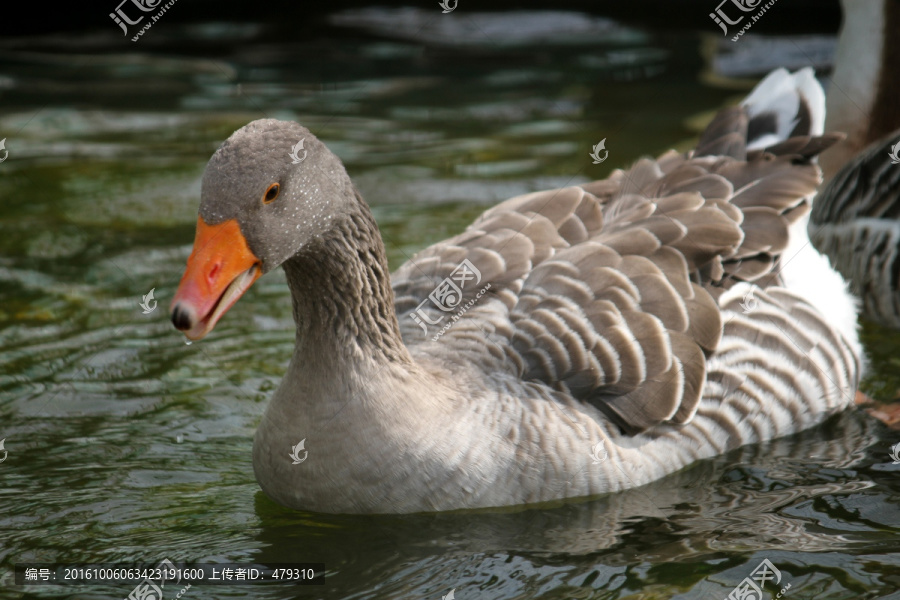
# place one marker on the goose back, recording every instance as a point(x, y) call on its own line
point(608, 291)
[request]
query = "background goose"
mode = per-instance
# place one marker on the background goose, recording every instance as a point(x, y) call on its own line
point(864, 94)
point(856, 222)
point(855, 218)
point(613, 332)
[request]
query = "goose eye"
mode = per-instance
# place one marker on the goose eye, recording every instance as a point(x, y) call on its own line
point(271, 193)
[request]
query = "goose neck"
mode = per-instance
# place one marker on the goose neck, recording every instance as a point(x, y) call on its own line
point(341, 294)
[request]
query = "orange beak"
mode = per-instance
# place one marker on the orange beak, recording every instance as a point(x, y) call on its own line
point(219, 270)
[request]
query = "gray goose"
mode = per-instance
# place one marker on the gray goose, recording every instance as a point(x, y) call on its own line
point(598, 337)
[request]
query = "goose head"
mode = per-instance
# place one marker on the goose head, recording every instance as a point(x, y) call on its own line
point(259, 207)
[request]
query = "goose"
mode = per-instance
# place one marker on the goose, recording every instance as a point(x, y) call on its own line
point(863, 98)
point(855, 221)
point(855, 217)
point(568, 343)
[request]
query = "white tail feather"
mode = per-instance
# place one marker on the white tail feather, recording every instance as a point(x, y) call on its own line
point(780, 102)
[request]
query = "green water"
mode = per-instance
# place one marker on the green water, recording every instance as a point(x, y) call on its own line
point(125, 444)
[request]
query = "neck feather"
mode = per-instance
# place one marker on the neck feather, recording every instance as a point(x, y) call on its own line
point(342, 297)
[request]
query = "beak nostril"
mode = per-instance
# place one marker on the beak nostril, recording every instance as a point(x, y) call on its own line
point(181, 319)
point(214, 271)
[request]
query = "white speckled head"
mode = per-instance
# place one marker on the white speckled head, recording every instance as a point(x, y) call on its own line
point(311, 193)
point(260, 205)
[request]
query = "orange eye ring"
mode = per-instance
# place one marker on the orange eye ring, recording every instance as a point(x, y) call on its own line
point(271, 193)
